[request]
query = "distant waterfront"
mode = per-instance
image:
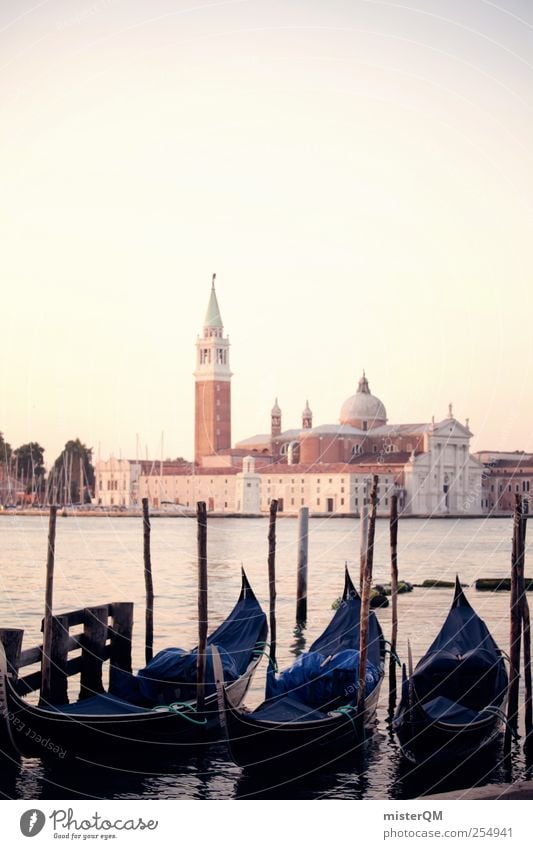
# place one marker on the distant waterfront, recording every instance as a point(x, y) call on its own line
point(187, 513)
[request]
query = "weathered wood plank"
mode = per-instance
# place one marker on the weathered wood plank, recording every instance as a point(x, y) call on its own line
point(11, 639)
point(95, 634)
point(120, 634)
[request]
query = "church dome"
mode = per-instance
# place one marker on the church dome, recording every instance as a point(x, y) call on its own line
point(363, 410)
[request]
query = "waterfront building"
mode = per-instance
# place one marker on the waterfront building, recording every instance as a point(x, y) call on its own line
point(116, 482)
point(506, 474)
point(326, 467)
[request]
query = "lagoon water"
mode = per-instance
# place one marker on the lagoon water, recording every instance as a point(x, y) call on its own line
point(99, 560)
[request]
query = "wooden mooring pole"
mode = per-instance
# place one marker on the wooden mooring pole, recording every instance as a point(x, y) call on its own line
point(272, 578)
point(517, 592)
point(526, 636)
point(46, 660)
point(149, 585)
point(303, 551)
point(363, 542)
point(394, 599)
point(365, 610)
point(201, 516)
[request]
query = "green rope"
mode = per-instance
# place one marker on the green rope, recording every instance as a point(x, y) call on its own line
point(174, 707)
point(492, 710)
point(346, 710)
point(392, 652)
point(259, 652)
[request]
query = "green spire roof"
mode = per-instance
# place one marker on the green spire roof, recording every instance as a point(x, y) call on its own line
point(212, 316)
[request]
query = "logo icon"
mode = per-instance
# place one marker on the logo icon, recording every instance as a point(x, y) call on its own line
point(32, 822)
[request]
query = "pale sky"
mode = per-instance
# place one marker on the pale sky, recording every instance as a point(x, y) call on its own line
point(357, 172)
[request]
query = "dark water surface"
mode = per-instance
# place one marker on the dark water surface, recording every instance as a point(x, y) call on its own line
point(99, 560)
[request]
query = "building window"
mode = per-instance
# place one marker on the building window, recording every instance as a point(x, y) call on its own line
point(318, 501)
point(342, 502)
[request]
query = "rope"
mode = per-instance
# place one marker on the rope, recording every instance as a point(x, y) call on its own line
point(492, 710)
point(260, 652)
point(174, 707)
point(392, 652)
point(346, 710)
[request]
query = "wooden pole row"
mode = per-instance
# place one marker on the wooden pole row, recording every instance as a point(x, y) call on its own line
point(149, 585)
point(301, 582)
point(46, 661)
point(201, 515)
point(519, 632)
point(365, 609)
point(272, 578)
point(394, 600)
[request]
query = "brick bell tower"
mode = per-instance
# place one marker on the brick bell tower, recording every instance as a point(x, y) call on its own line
point(212, 420)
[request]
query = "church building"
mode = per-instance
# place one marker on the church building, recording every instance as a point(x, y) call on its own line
point(326, 467)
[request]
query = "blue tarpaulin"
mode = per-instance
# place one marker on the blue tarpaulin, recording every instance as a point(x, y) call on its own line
point(317, 680)
point(171, 674)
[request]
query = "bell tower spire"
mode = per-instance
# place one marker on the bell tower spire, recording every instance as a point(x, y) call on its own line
point(212, 432)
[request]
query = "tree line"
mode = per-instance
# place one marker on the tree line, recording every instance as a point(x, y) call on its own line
point(23, 476)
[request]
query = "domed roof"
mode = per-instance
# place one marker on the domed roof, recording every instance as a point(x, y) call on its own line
point(363, 407)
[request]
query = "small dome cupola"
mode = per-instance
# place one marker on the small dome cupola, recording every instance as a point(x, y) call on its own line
point(307, 417)
point(363, 410)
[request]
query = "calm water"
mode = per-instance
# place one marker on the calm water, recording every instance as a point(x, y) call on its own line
point(100, 560)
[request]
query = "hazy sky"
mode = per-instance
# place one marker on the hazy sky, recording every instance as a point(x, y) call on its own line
point(357, 172)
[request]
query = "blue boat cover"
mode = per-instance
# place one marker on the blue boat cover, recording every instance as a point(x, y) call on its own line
point(319, 681)
point(442, 709)
point(171, 674)
point(326, 676)
point(463, 666)
point(101, 705)
point(287, 709)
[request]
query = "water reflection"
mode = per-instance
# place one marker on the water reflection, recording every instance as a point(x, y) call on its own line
point(410, 781)
point(298, 644)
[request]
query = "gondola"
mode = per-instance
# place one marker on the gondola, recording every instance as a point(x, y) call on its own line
point(309, 716)
point(451, 706)
point(105, 726)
